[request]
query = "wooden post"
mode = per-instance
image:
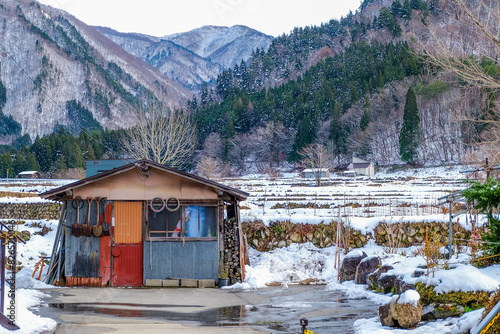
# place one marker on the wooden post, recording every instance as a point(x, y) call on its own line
point(426, 249)
point(2, 280)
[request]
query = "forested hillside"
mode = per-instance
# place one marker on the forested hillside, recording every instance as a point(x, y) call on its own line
point(342, 85)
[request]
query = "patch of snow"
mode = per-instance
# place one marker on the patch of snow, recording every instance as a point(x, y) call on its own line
point(354, 253)
point(409, 297)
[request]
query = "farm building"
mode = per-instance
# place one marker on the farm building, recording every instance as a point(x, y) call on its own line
point(94, 167)
point(147, 224)
point(30, 174)
point(361, 167)
point(310, 173)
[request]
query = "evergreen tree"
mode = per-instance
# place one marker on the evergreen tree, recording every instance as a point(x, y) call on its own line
point(306, 134)
point(365, 118)
point(409, 137)
point(337, 135)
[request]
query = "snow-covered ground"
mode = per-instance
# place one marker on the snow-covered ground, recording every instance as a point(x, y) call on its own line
point(390, 197)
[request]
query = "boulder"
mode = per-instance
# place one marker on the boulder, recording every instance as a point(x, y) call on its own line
point(371, 279)
point(386, 283)
point(366, 266)
point(386, 314)
point(436, 311)
point(350, 264)
point(403, 311)
point(401, 286)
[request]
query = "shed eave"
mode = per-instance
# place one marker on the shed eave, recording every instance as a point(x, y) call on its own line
point(59, 193)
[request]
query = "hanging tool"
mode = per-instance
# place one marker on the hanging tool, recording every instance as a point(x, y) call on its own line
point(87, 229)
point(97, 228)
point(76, 228)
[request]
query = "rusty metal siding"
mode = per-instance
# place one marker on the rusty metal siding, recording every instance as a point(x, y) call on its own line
point(127, 265)
point(128, 222)
point(175, 259)
point(81, 253)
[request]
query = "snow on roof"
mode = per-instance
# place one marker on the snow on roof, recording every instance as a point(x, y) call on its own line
point(310, 170)
point(28, 172)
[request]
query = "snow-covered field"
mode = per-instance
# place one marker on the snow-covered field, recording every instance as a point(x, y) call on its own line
point(390, 196)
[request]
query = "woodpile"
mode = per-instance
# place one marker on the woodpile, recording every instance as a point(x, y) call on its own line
point(231, 265)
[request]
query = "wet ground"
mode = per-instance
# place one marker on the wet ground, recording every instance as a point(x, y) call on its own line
point(275, 310)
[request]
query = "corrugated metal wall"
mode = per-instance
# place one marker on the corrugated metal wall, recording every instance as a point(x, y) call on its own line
point(177, 259)
point(82, 253)
point(128, 222)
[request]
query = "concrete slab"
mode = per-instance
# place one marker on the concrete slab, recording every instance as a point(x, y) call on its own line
point(206, 283)
point(170, 283)
point(153, 282)
point(189, 283)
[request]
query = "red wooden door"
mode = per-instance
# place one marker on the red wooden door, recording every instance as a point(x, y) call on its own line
point(127, 247)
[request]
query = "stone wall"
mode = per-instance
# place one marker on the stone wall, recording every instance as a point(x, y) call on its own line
point(282, 234)
point(403, 234)
point(30, 210)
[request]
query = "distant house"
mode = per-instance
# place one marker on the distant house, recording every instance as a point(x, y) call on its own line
point(30, 174)
point(361, 167)
point(94, 167)
point(310, 173)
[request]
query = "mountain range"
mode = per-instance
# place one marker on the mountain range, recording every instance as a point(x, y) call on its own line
point(55, 70)
point(342, 84)
point(194, 57)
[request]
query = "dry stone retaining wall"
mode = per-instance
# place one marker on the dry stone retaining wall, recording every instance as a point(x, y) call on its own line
point(30, 210)
point(404, 234)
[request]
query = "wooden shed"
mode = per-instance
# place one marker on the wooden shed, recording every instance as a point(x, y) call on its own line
point(361, 167)
point(157, 224)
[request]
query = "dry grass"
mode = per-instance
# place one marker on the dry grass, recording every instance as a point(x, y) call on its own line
point(17, 194)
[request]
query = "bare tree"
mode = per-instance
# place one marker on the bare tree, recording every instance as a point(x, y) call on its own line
point(470, 49)
point(465, 54)
point(212, 147)
point(314, 157)
point(271, 144)
point(163, 136)
point(209, 167)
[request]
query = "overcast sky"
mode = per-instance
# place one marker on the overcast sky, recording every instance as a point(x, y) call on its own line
point(163, 17)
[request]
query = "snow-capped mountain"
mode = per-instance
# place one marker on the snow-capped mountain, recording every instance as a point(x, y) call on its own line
point(50, 60)
point(226, 46)
point(196, 56)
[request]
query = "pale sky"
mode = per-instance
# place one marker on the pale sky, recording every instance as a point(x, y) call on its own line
point(164, 17)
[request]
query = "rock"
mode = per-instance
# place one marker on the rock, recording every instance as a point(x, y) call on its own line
point(408, 315)
point(295, 237)
point(372, 278)
point(403, 311)
point(281, 244)
point(419, 273)
point(386, 282)
point(436, 311)
point(401, 286)
point(349, 265)
point(366, 266)
point(386, 314)
point(25, 235)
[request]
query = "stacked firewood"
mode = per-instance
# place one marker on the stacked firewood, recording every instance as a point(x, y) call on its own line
point(232, 264)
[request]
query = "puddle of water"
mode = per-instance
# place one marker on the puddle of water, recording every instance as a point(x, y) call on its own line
point(283, 317)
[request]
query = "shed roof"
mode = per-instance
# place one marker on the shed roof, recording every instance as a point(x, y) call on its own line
point(60, 193)
point(361, 165)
